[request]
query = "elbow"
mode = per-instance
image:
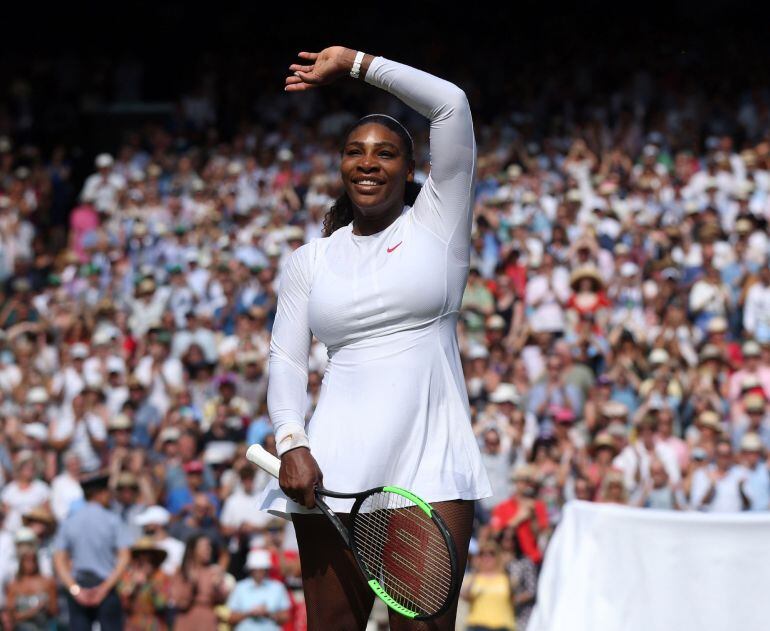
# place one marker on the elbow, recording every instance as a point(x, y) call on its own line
point(455, 103)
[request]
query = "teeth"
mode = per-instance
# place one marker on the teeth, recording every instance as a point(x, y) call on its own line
point(368, 182)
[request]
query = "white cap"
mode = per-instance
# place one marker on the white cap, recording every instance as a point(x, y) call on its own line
point(716, 324)
point(285, 155)
point(104, 161)
point(115, 364)
point(659, 356)
point(273, 250)
point(79, 351)
point(258, 560)
point(505, 393)
point(219, 451)
point(293, 232)
point(477, 351)
point(101, 337)
point(25, 535)
point(495, 322)
point(38, 431)
point(153, 515)
point(38, 394)
point(170, 434)
point(120, 421)
point(629, 269)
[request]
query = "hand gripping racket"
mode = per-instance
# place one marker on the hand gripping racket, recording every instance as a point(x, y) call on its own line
point(401, 545)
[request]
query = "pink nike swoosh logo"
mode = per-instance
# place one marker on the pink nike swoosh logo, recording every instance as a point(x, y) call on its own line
point(394, 247)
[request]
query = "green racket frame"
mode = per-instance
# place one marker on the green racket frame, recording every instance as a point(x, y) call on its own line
point(348, 536)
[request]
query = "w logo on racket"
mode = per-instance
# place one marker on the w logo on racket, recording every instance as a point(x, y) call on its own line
point(403, 556)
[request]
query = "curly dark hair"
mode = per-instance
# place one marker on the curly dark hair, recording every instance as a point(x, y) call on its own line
point(341, 212)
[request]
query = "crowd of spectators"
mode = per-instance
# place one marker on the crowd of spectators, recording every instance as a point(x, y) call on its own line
point(615, 335)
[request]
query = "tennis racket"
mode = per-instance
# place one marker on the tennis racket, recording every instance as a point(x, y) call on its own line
point(401, 545)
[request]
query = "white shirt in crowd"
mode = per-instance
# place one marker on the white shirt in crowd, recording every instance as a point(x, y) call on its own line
point(727, 497)
point(103, 190)
point(756, 310)
point(174, 554)
point(69, 383)
point(65, 491)
point(160, 388)
point(18, 501)
point(65, 426)
point(638, 457)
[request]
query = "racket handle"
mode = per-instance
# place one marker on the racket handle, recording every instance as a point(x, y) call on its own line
point(263, 459)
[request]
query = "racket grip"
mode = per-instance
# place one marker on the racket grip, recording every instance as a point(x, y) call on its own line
point(263, 459)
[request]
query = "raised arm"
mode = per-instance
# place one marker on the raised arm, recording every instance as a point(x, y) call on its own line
point(444, 204)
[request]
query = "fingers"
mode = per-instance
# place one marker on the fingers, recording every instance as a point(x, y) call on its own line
point(301, 68)
point(308, 498)
point(308, 55)
point(294, 84)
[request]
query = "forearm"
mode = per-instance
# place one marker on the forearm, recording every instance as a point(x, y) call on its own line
point(236, 617)
point(707, 499)
point(426, 93)
point(286, 392)
point(62, 569)
point(745, 499)
point(120, 568)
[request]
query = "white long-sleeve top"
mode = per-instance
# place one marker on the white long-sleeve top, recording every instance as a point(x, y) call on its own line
point(393, 407)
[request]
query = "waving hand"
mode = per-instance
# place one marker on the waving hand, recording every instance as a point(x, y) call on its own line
point(323, 68)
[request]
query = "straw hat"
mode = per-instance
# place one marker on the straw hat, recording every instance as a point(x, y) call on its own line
point(710, 420)
point(754, 402)
point(524, 473)
point(587, 271)
point(148, 546)
point(751, 442)
point(614, 409)
point(39, 514)
point(603, 441)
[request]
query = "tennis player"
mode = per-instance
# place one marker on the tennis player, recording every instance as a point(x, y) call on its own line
point(382, 291)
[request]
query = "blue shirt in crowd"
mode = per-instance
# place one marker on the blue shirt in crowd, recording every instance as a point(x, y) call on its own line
point(92, 537)
point(248, 594)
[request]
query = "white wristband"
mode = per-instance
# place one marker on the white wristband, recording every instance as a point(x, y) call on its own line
point(356, 69)
point(294, 437)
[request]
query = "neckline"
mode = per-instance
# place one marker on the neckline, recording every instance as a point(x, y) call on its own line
point(365, 237)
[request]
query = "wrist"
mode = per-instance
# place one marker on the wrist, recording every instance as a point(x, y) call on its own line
point(290, 436)
point(347, 60)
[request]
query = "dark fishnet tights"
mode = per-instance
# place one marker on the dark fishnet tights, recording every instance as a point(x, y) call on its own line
point(337, 597)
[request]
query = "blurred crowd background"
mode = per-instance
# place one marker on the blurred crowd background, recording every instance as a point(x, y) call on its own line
point(615, 329)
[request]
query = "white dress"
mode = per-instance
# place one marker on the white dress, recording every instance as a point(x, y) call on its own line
point(393, 408)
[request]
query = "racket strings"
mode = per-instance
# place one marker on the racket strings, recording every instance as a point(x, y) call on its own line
point(402, 572)
point(404, 550)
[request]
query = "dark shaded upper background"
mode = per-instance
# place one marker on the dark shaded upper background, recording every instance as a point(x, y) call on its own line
point(84, 76)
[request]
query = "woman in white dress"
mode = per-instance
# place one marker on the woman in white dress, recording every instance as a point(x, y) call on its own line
point(382, 290)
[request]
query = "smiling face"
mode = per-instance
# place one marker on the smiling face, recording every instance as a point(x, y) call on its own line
point(375, 168)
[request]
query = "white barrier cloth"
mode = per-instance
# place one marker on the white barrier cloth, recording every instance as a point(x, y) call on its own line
point(614, 568)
